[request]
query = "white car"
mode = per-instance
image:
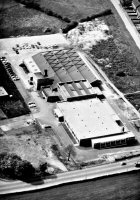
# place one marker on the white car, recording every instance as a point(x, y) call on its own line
point(31, 105)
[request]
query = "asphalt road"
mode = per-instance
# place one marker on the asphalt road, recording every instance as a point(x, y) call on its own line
point(68, 177)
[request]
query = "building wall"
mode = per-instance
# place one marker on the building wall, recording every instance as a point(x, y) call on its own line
point(114, 143)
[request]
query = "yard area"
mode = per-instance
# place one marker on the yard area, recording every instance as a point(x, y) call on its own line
point(31, 143)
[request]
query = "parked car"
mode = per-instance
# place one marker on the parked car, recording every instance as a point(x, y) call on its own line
point(31, 104)
point(123, 163)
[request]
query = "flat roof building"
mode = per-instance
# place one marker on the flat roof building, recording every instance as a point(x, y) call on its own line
point(31, 65)
point(92, 119)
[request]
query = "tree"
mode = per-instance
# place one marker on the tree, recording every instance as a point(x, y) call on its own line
point(24, 170)
point(12, 166)
point(70, 150)
point(8, 163)
point(43, 168)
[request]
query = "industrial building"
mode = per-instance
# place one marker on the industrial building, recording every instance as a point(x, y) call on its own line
point(93, 123)
point(49, 95)
point(68, 65)
point(64, 77)
point(60, 65)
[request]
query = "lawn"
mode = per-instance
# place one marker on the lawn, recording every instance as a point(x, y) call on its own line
point(13, 106)
point(29, 21)
point(75, 9)
point(19, 20)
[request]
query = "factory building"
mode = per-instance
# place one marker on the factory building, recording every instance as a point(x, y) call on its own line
point(93, 123)
point(64, 77)
point(57, 66)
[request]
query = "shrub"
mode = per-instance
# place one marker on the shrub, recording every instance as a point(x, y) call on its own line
point(70, 26)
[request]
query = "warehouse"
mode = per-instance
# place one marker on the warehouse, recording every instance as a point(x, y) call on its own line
point(93, 123)
point(68, 65)
point(60, 65)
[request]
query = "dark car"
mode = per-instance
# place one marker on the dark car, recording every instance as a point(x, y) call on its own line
point(123, 163)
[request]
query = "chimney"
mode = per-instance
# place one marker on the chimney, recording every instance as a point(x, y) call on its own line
point(46, 72)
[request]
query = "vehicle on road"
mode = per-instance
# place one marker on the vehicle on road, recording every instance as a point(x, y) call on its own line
point(137, 164)
point(123, 163)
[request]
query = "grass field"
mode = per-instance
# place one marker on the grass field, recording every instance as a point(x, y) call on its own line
point(77, 9)
point(24, 21)
point(14, 106)
point(28, 21)
point(117, 58)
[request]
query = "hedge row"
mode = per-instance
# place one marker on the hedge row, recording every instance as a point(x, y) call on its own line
point(70, 26)
point(104, 13)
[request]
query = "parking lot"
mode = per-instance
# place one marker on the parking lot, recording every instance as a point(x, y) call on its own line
point(7, 65)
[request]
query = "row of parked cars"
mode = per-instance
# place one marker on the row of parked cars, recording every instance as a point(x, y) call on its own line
point(9, 69)
point(38, 45)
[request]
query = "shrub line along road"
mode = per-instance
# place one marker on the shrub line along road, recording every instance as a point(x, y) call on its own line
point(68, 177)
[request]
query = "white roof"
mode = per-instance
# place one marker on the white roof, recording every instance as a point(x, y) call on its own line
point(31, 65)
point(58, 112)
point(113, 138)
point(90, 118)
point(3, 92)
